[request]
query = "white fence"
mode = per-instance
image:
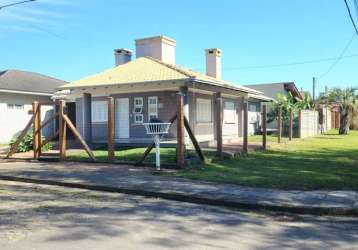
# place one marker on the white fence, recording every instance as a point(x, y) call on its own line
point(313, 122)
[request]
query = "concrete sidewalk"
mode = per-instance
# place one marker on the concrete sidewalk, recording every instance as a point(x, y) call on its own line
point(141, 181)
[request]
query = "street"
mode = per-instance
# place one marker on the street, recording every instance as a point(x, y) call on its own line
point(47, 217)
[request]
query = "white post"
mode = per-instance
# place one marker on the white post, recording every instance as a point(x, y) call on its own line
point(157, 151)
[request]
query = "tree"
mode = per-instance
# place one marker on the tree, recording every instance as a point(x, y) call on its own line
point(347, 101)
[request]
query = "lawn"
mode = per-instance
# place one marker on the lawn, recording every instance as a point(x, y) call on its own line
point(327, 162)
point(125, 155)
point(324, 162)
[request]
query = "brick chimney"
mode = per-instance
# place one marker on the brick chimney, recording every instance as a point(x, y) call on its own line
point(158, 47)
point(122, 56)
point(213, 62)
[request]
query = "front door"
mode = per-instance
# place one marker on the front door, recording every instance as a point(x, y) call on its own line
point(122, 118)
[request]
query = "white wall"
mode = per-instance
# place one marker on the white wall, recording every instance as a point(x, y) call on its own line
point(13, 121)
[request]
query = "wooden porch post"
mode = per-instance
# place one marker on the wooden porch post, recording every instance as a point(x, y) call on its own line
point(180, 131)
point(245, 148)
point(36, 125)
point(290, 130)
point(264, 127)
point(219, 123)
point(110, 136)
point(279, 124)
point(62, 130)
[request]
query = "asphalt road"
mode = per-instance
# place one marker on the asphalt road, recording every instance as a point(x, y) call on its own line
point(45, 217)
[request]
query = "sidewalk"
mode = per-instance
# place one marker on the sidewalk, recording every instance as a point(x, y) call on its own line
point(141, 181)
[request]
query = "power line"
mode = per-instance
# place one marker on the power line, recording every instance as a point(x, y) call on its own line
point(339, 58)
point(16, 3)
point(350, 16)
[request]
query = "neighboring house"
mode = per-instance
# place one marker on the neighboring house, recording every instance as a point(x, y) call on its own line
point(147, 88)
point(272, 90)
point(18, 90)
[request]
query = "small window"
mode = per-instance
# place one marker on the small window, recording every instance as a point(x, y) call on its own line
point(138, 118)
point(152, 107)
point(138, 105)
point(15, 106)
point(203, 110)
point(230, 112)
point(253, 108)
point(99, 111)
point(19, 106)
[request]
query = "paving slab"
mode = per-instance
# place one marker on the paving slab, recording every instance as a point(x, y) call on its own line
point(130, 179)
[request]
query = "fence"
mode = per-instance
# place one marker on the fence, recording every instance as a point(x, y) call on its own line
point(314, 122)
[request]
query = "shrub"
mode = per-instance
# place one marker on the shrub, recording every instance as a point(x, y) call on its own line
point(26, 143)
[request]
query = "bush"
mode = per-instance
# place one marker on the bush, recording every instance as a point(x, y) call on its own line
point(26, 143)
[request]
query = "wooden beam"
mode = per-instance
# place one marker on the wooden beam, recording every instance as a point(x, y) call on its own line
point(264, 127)
point(39, 134)
point(219, 123)
point(62, 130)
point(79, 137)
point(45, 123)
point(279, 123)
point(245, 148)
point(110, 124)
point(193, 140)
point(290, 129)
point(20, 137)
point(35, 140)
point(152, 145)
point(180, 131)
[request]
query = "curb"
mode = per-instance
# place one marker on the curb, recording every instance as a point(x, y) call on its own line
point(332, 211)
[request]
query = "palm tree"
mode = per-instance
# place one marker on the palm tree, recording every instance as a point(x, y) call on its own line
point(347, 101)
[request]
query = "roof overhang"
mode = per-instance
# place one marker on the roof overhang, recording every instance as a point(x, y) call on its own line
point(24, 92)
point(262, 98)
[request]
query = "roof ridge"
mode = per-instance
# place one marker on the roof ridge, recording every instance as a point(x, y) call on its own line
point(171, 66)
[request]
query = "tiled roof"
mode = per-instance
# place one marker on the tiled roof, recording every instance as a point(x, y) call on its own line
point(147, 69)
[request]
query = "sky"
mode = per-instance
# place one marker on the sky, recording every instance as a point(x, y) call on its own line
point(69, 39)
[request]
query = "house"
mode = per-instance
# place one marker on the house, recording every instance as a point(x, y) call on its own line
point(147, 87)
point(18, 90)
point(272, 90)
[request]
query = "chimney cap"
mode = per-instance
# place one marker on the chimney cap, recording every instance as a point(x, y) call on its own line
point(161, 38)
point(123, 51)
point(215, 51)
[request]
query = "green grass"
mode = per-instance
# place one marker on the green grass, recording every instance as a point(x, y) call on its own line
point(324, 162)
point(327, 162)
point(126, 155)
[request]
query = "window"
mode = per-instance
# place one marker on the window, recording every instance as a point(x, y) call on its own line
point(99, 111)
point(138, 110)
point(15, 106)
point(203, 110)
point(152, 107)
point(138, 118)
point(230, 112)
point(138, 105)
point(253, 107)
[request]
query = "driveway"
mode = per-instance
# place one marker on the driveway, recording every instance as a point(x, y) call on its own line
point(44, 217)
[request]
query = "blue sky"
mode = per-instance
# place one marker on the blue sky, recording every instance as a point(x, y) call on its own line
point(70, 39)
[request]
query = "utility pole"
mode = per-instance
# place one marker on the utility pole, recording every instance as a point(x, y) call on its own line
point(314, 89)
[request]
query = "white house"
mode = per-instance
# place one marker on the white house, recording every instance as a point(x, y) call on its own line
point(18, 90)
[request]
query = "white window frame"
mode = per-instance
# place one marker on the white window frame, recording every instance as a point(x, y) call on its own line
point(101, 115)
point(150, 114)
point(204, 110)
point(138, 121)
point(138, 107)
